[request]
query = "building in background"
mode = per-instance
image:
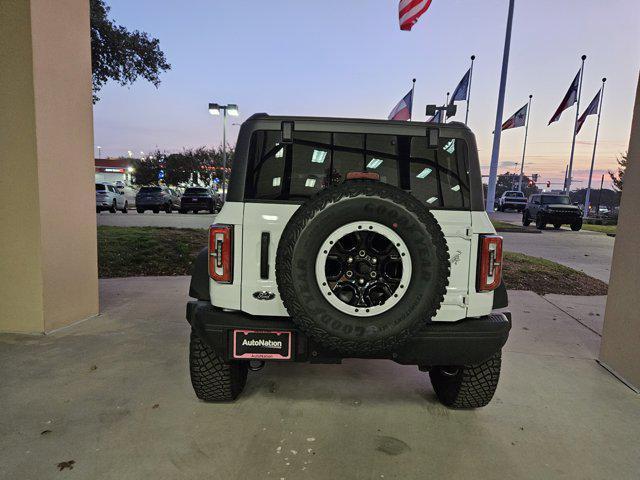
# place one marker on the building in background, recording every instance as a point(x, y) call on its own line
point(113, 170)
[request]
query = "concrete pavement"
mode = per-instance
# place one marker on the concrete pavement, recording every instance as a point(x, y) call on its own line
point(113, 394)
point(589, 252)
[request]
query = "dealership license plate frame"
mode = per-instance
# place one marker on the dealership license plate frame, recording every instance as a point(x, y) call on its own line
point(286, 335)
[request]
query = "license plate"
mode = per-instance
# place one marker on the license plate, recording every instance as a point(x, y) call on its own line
point(261, 344)
point(194, 199)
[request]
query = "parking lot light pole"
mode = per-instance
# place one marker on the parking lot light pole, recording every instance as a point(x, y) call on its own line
point(231, 109)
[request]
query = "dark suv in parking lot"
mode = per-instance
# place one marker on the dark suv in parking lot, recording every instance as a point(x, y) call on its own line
point(199, 198)
point(554, 209)
point(157, 198)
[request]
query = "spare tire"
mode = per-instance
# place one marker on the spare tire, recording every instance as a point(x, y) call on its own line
point(362, 266)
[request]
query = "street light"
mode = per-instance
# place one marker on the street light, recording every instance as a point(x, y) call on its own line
point(231, 109)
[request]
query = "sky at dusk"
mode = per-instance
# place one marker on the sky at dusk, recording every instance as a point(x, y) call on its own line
point(348, 58)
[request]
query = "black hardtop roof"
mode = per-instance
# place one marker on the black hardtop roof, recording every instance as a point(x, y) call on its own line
point(375, 121)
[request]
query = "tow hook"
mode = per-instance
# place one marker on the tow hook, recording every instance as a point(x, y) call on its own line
point(255, 365)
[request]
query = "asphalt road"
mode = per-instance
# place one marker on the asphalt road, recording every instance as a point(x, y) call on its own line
point(589, 252)
point(149, 219)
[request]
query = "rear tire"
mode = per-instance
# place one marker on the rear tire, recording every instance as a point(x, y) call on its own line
point(168, 208)
point(470, 386)
point(125, 209)
point(213, 379)
point(114, 207)
point(576, 226)
point(526, 221)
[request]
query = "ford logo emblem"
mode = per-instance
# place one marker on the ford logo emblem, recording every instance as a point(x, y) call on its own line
point(264, 295)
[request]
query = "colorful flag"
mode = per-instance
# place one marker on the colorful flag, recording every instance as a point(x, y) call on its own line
point(569, 99)
point(437, 118)
point(402, 111)
point(592, 109)
point(460, 93)
point(518, 119)
point(409, 11)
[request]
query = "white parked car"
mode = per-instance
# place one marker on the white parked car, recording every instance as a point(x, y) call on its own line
point(111, 198)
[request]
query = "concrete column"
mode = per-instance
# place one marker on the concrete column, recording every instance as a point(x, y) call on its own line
point(48, 257)
point(620, 348)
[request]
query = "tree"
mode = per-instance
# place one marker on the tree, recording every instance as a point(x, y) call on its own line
point(147, 170)
point(509, 181)
point(121, 55)
point(618, 177)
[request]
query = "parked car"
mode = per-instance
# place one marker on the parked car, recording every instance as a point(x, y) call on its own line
point(354, 241)
point(554, 209)
point(512, 199)
point(199, 198)
point(109, 197)
point(156, 198)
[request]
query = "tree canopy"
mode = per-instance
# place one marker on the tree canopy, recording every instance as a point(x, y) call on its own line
point(195, 166)
point(618, 177)
point(122, 55)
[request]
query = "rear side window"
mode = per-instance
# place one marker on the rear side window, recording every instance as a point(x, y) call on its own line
point(438, 177)
point(100, 187)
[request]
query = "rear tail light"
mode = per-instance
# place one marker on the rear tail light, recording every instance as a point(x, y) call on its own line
point(490, 263)
point(221, 253)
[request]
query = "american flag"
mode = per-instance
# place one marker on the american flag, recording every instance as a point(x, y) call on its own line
point(409, 11)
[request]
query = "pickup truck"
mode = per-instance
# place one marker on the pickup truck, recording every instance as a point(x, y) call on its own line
point(512, 199)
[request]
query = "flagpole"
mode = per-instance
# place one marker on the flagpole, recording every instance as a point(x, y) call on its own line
point(585, 213)
point(524, 147)
point(446, 104)
point(413, 87)
point(466, 117)
point(495, 153)
point(575, 126)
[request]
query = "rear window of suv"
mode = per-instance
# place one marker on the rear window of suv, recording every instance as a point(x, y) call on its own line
point(438, 177)
point(150, 190)
point(195, 191)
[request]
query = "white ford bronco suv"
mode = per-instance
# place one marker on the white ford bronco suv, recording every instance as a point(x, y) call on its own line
point(351, 238)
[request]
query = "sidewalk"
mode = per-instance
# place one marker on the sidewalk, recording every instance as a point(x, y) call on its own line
point(114, 395)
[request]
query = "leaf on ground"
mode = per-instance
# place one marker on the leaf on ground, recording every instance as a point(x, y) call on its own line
point(68, 464)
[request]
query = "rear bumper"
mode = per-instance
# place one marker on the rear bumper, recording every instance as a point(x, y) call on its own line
point(465, 342)
point(514, 205)
point(202, 205)
point(150, 203)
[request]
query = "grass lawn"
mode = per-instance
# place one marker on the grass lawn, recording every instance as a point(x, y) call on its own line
point(147, 251)
point(152, 251)
point(522, 272)
point(600, 228)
